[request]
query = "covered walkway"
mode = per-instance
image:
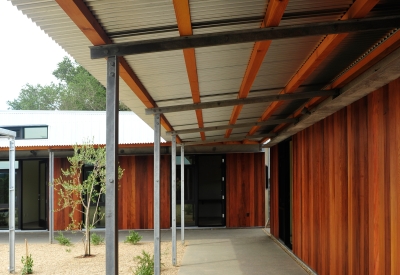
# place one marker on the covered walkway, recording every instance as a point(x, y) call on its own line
point(235, 252)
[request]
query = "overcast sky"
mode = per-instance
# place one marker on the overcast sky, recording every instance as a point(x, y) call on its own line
point(28, 54)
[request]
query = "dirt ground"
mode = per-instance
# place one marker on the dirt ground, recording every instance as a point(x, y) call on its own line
point(57, 259)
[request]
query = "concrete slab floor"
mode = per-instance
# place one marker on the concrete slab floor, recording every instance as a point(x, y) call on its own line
point(235, 252)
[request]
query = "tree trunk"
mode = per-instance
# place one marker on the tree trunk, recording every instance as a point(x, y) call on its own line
point(87, 232)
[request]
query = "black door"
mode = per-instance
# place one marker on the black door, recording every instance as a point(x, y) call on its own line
point(204, 190)
point(211, 186)
point(284, 173)
point(42, 194)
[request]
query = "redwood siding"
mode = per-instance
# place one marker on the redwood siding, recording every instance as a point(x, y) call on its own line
point(61, 217)
point(346, 188)
point(245, 190)
point(136, 192)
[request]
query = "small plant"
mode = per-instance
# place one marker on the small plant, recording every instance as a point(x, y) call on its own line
point(133, 237)
point(96, 239)
point(68, 250)
point(27, 262)
point(28, 265)
point(63, 240)
point(145, 264)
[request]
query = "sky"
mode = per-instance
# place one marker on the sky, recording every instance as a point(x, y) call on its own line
point(28, 54)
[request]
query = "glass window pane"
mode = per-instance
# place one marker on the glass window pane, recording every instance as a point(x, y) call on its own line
point(188, 160)
point(6, 165)
point(4, 190)
point(35, 132)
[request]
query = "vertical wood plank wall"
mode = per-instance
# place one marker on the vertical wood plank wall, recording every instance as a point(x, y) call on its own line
point(136, 192)
point(245, 190)
point(61, 217)
point(346, 188)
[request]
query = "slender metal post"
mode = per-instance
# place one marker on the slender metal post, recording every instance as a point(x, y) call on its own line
point(11, 205)
point(173, 191)
point(112, 106)
point(157, 237)
point(51, 196)
point(183, 193)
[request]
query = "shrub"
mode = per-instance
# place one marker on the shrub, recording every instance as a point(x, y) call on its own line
point(63, 240)
point(28, 265)
point(96, 239)
point(145, 264)
point(133, 237)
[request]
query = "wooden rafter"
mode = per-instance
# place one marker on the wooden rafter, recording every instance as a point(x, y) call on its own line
point(384, 49)
point(272, 18)
point(91, 28)
point(182, 12)
point(359, 9)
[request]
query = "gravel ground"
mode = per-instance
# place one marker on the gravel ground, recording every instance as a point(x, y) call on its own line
point(57, 259)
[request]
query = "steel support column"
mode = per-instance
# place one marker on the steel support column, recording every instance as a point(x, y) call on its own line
point(112, 106)
point(11, 205)
point(157, 237)
point(173, 191)
point(183, 193)
point(51, 196)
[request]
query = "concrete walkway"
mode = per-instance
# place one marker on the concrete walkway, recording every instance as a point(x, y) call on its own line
point(208, 251)
point(235, 252)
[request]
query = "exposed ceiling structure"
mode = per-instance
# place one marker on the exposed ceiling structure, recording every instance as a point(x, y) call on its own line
point(335, 69)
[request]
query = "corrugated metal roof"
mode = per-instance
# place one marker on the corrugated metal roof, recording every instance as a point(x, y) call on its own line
point(220, 69)
point(74, 127)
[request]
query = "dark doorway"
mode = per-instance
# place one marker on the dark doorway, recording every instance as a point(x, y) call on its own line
point(284, 193)
point(42, 194)
point(211, 201)
point(34, 194)
point(204, 190)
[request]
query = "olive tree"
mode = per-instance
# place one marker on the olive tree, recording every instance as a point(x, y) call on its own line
point(78, 194)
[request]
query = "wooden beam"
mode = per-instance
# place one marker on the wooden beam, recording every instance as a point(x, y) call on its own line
point(244, 36)
point(233, 102)
point(383, 50)
point(272, 18)
point(359, 9)
point(232, 126)
point(182, 12)
point(83, 18)
point(382, 73)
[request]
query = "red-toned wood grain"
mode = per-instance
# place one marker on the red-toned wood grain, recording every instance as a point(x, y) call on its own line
point(346, 187)
point(61, 217)
point(393, 130)
point(357, 140)
point(245, 190)
point(376, 182)
point(136, 192)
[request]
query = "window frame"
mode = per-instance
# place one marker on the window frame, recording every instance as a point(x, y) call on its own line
point(20, 130)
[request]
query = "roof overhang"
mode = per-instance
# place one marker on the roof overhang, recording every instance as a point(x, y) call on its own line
point(190, 56)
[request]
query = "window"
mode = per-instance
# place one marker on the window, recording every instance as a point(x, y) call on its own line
point(29, 132)
point(6, 164)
